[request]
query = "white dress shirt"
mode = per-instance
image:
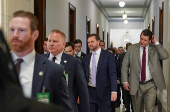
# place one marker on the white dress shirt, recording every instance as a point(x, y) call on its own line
point(148, 73)
point(26, 72)
point(45, 52)
point(78, 54)
point(90, 69)
point(58, 57)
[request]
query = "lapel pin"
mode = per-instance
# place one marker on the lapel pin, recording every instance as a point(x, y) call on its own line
point(82, 56)
point(65, 61)
point(40, 73)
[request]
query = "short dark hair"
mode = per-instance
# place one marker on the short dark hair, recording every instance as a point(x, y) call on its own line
point(69, 44)
point(120, 47)
point(111, 49)
point(147, 32)
point(96, 36)
point(102, 41)
point(46, 39)
point(77, 41)
point(128, 44)
point(30, 16)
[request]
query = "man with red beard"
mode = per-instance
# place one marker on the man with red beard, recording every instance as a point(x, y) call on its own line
point(37, 75)
point(100, 72)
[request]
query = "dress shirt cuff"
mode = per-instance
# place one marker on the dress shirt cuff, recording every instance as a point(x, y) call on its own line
point(125, 82)
point(113, 92)
point(156, 43)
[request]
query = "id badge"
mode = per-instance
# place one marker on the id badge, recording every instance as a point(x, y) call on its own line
point(43, 97)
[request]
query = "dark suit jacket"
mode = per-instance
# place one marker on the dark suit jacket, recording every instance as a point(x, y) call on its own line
point(53, 80)
point(120, 59)
point(106, 77)
point(76, 77)
point(13, 100)
point(81, 59)
point(83, 55)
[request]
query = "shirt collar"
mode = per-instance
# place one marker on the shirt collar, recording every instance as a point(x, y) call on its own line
point(57, 56)
point(79, 53)
point(145, 47)
point(27, 58)
point(97, 52)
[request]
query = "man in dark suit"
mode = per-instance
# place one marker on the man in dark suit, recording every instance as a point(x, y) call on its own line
point(77, 48)
point(100, 72)
point(36, 74)
point(45, 46)
point(146, 76)
point(102, 44)
point(126, 96)
point(69, 49)
point(73, 70)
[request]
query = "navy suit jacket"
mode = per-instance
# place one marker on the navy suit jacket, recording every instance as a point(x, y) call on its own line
point(81, 59)
point(83, 55)
point(76, 77)
point(53, 80)
point(106, 77)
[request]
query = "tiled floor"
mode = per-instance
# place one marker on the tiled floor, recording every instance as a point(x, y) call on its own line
point(122, 107)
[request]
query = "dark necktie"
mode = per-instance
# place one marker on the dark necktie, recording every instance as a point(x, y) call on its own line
point(143, 71)
point(54, 59)
point(18, 64)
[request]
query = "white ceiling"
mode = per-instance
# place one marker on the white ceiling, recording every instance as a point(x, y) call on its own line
point(135, 9)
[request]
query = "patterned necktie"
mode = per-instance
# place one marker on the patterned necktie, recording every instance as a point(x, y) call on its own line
point(94, 69)
point(18, 64)
point(54, 59)
point(143, 72)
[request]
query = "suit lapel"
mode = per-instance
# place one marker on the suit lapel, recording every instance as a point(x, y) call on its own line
point(101, 58)
point(138, 54)
point(64, 60)
point(88, 65)
point(47, 55)
point(150, 51)
point(39, 74)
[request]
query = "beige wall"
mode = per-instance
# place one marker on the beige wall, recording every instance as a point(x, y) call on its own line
point(154, 11)
point(9, 7)
point(57, 17)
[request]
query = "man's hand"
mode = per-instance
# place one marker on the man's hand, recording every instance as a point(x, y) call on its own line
point(78, 101)
point(154, 40)
point(113, 97)
point(126, 86)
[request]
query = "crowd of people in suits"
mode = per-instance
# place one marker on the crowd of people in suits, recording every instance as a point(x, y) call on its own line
point(72, 81)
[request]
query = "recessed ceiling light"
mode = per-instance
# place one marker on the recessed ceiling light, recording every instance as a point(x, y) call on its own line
point(125, 21)
point(124, 15)
point(121, 3)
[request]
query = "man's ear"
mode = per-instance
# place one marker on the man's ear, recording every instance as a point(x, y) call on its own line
point(64, 44)
point(36, 34)
point(99, 42)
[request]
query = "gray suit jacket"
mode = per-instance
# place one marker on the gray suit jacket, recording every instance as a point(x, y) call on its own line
point(132, 60)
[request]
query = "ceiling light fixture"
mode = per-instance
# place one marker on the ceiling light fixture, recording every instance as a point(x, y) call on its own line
point(125, 21)
point(121, 3)
point(124, 15)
